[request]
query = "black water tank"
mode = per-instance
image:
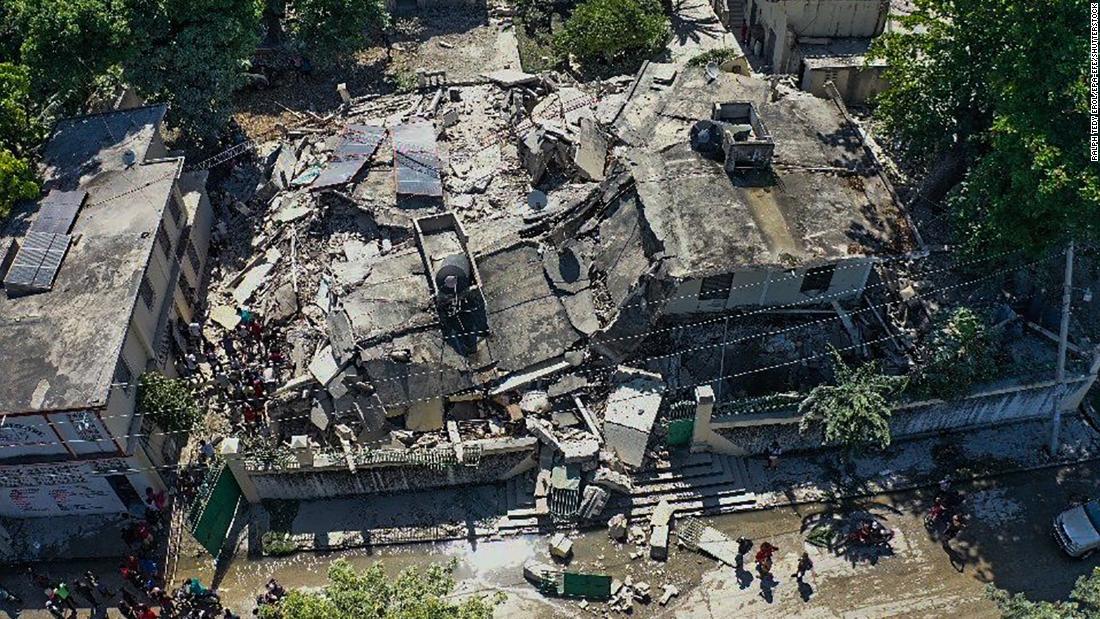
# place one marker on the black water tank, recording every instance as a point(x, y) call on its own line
point(706, 137)
point(453, 275)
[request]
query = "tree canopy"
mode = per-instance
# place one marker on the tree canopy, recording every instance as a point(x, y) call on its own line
point(855, 411)
point(193, 55)
point(413, 594)
point(609, 29)
point(959, 352)
point(170, 402)
point(1003, 86)
point(333, 30)
point(1083, 603)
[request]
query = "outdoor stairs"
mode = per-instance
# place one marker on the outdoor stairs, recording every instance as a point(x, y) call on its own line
point(701, 484)
point(737, 15)
point(519, 501)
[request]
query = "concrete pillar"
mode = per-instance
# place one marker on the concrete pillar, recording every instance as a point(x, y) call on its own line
point(303, 450)
point(234, 460)
point(703, 436)
point(704, 409)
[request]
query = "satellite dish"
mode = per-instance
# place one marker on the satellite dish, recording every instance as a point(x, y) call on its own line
point(712, 71)
point(537, 200)
point(129, 157)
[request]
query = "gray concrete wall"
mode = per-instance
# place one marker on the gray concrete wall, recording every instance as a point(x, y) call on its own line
point(337, 481)
point(856, 85)
point(751, 434)
point(790, 20)
point(772, 287)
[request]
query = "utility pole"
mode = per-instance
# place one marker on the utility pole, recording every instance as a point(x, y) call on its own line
point(1063, 339)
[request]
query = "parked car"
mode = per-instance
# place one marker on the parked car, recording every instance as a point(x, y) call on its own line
point(1078, 529)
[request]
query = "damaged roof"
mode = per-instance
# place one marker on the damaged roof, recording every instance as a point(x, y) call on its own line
point(60, 346)
point(822, 200)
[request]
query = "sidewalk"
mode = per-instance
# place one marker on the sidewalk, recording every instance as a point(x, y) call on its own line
point(989, 452)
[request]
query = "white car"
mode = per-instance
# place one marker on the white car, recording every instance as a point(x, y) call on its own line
point(1078, 529)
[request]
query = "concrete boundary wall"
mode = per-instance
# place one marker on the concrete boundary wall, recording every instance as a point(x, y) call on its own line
point(499, 460)
point(748, 434)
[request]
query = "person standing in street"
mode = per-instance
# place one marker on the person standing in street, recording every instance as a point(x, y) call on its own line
point(805, 564)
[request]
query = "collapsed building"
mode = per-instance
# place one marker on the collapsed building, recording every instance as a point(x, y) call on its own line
point(477, 321)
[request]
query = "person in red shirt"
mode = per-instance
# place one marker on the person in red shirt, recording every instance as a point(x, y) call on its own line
point(144, 612)
point(764, 557)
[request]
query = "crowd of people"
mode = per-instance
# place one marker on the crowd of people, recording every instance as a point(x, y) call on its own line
point(245, 368)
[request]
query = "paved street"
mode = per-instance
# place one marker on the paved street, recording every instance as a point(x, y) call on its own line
point(1008, 544)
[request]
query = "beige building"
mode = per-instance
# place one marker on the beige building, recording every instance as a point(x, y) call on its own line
point(126, 232)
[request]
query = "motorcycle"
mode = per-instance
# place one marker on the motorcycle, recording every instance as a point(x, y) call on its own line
point(870, 533)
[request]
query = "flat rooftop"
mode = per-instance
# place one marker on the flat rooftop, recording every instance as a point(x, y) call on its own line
point(822, 200)
point(60, 346)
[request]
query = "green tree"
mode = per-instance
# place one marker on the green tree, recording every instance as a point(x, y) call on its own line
point(333, 30)
point(68, 43)
point(19, 132)
point(1084, 602)
point(17, 182)
point(960, 353)
point(414, 594)
point(170, 402)
point(854, 412)
point(609, 30)
point(999, 90)
point(192, 54)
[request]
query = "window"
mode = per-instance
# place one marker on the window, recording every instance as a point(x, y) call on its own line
point(716, 288)
point(174, 210)
point(818, 279)
point(163, 240)
point(181, 246)
point(193, 256)
point(145, 291)
point(124, 377)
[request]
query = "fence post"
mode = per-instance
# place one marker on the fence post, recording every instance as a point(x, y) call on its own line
point(231, 451)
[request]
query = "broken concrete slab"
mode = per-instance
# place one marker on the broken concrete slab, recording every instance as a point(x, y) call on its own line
point(581, 310)
point(324, 367)
point(291, 213)
point(662, 514)
point(616, 527)
point(613, 480)
point(510, 78)
point(631, 412)
point(225, 316)
point(253, 279)
point(590, 156)
point(561, 547)
point(670, 591)
point(658, 543)
point(593, 501)
point(286, 303)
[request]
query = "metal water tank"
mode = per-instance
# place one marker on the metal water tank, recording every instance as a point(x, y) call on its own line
point(453, 275)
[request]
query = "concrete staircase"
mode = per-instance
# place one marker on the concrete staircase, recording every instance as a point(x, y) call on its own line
point(694, 484)
point(519, 501)
point(700, 484)
point(737, 16)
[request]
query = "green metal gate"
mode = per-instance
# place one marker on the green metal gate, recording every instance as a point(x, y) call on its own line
point(681, 424)
point(588, 586)
point(212, 513)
